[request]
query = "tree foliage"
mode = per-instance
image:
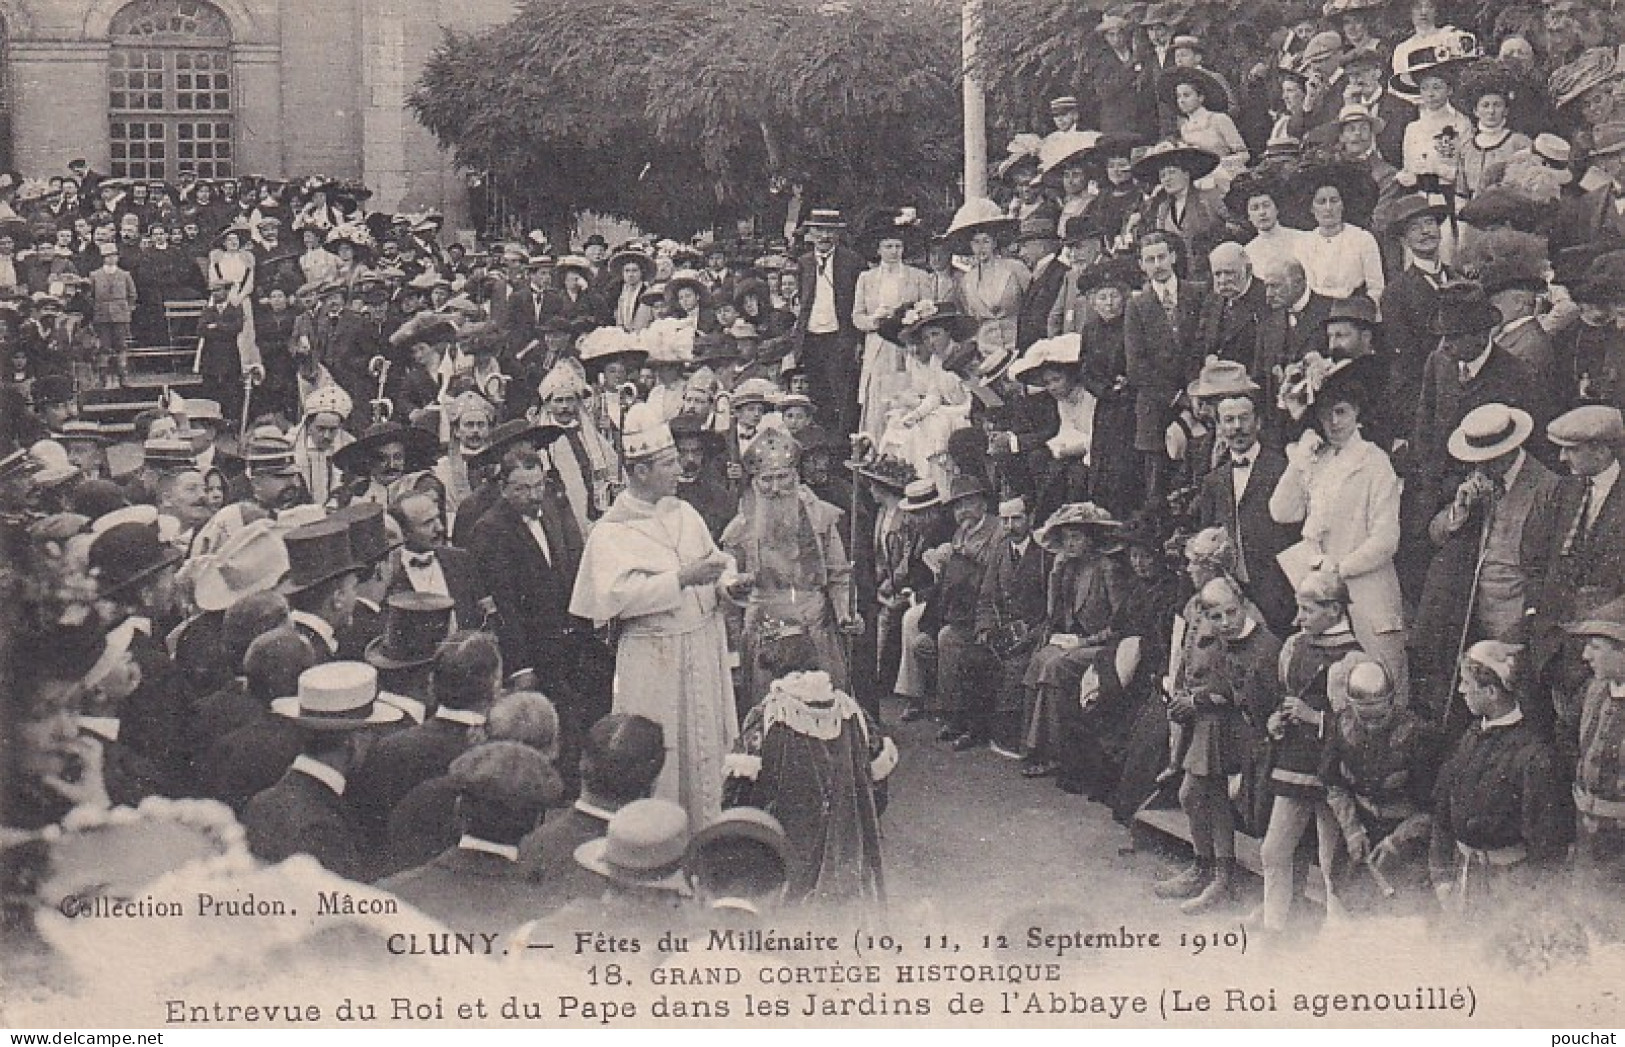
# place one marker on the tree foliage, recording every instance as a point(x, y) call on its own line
point(682, 114)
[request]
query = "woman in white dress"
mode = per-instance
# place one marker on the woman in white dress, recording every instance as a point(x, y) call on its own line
point(881, 293)
point(992, 288)
point(1204, 122)
point(1345, 493)
point(317, 263)
point(232, 262)
point(936, 400)
point(1339, 257)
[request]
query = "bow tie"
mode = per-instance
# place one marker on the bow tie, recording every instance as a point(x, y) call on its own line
point(420, 561)
point(1243, 462)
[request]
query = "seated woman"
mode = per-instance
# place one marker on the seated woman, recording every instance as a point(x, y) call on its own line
point(935, 401)
point(1060, 465)
point(1087, 587)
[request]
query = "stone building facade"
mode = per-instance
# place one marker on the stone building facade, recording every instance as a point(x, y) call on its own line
point(278, 88)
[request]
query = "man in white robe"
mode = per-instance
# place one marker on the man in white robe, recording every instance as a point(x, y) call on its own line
point(651, 567)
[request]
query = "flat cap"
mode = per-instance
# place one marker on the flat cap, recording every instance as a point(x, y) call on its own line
point(1593, 423)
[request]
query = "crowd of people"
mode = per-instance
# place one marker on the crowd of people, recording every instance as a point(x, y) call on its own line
point(1269, 468)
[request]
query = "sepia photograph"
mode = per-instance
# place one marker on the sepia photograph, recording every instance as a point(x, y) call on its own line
point(833, 514)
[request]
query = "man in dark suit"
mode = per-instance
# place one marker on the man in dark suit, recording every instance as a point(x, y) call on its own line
point(1238, 498)
point(1595, 215)
point(1366, 84)
point(828, 340)
point(1586, 568)
point(502, 788)
point(254, 755)
point(1228, 327)
point(1411, 298)
point(467, 672)
point(533, 303)
point(305, 811)
point(1159, 343)
point(426, 564)
point(1468, 370)
point(622, 758)
point(1294, 326)
point(528, 550)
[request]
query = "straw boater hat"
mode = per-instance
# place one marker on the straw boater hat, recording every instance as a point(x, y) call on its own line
point(1198, 163)
point(252, 561)
point(919, 495)
point(824, 218)
point(1489, 431)
point(642, 846)
point(337, 696)
point(978, 215)
point(717, 845)
point(1074, 514)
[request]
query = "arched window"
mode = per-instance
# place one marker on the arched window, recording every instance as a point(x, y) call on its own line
point(170, 90)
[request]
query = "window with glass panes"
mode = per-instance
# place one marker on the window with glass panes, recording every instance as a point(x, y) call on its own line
point(170, 91)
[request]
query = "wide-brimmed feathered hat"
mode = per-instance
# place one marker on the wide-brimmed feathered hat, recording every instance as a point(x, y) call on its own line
point(979, 215)
point(1086, 515)
point(1198, 163)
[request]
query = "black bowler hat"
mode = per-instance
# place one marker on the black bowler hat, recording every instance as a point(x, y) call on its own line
point(415, 625)
point(317, 552)
point(128, 553)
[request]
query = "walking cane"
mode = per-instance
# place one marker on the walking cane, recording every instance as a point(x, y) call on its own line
point(250, 380)
point(1467, 620)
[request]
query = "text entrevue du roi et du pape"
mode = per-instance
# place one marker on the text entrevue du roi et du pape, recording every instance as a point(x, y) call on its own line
point(837, 990)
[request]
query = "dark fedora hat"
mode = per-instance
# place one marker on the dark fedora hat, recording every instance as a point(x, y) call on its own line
point(415, 625)
point(317, 552)
point(1464, 308)
point(129, 553)
point(369, 532)
point(421, 448)
point(1122, 272)
point(511, 433)
point(1397, 216)
point(965, 487)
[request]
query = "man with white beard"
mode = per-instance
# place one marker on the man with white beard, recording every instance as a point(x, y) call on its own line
point(789, 543)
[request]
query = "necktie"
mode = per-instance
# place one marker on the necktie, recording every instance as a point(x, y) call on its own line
point(1165, 294)
point(420, 561)
point(1582, 522)
point(1465, 372)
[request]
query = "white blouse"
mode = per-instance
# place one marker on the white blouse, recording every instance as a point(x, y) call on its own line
point(1422, 152)
point(1337, 266)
